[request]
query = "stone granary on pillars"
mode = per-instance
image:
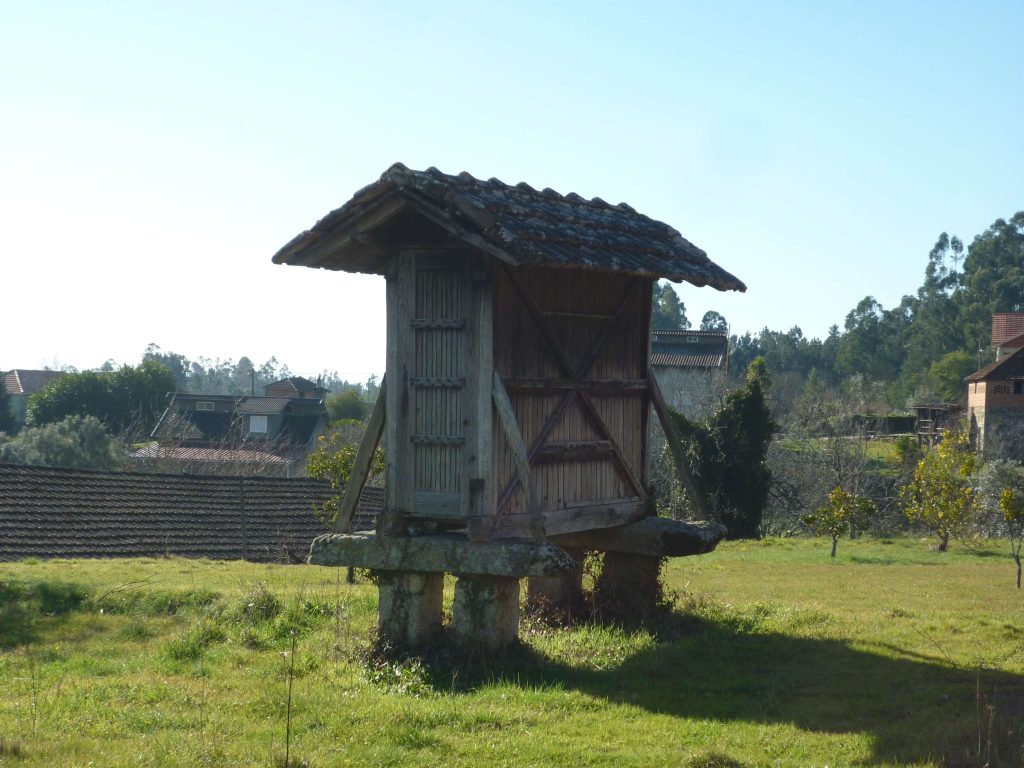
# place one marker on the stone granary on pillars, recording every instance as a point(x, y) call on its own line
point(515, 407)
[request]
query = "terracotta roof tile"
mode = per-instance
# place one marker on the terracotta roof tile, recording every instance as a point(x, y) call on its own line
point(54, 512)
point(517, 224)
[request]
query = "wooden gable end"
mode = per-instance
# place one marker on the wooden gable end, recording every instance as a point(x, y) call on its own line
point(571, 351)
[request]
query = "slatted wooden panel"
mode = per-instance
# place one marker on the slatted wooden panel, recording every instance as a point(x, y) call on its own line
point(576, 307)
point(438, 385)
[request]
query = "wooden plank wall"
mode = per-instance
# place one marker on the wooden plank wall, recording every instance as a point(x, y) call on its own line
point(522, 352)
point(439, 382)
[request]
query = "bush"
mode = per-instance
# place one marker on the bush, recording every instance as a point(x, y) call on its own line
point(76, 441)
point(728, 454)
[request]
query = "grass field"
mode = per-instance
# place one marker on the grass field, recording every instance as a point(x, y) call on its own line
point(774, 655)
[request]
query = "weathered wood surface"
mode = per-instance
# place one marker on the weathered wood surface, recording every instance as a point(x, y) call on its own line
point(441, 553)
point(363, 460)
point(651, 536)
point(588, 515)
point(510, 426)
point(574, 363)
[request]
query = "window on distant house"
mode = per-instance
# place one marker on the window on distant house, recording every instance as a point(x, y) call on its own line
point(257, 425)
point(1018, 387)
point(204, 405)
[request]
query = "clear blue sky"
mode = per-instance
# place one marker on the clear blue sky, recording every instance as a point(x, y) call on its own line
point(154, 156)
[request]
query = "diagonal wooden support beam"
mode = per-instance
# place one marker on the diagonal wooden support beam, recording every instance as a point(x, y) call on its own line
point(507, 417)
point(675, 445)
point(361, 465)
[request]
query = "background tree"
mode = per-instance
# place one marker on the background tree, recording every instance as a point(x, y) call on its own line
point(728, 454)
point(712, 321)
point(7, 423)
point(348, 404)
point(999, 487)
point(993, 279)
point(175, 363)
point(668, 313)
point(75, 441)
point(843, 511)
point(943, 380)
point(333, 461)
point(941, 495)
point(129, 398)
point(1011, 503)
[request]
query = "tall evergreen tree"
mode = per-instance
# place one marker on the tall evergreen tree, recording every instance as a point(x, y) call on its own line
point(668, 313)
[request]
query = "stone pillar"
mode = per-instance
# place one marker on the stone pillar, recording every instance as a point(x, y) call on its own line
point(628, 588)
point(410, 607)
point(486, 611)
point(561, 595)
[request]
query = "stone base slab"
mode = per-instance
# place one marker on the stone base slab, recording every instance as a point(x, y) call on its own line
point(652, 536)
point(441, 553)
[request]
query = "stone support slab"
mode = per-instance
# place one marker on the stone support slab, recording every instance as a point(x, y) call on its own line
point(652, 536)
point(441, 553)
point(410, 607)
point(486, 611)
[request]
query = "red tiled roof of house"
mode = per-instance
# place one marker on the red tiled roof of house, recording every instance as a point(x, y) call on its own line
point(1006, 326)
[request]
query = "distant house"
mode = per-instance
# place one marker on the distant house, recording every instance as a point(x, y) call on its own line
point(995, 394)
point(21, 384)
point(691, 368)
point(295, 386)
point(217, 434)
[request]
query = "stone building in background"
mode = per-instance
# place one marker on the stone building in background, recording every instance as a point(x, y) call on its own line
point(692, 368)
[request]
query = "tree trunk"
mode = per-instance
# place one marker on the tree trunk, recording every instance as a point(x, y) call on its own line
point(1016, 559)
point(835, 543)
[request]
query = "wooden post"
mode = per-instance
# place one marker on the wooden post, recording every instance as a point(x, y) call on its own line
point(362, 463)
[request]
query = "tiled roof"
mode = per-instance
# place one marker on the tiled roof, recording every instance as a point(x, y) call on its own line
point(1005, 326)
point(1008, 367)
point(517, 224)
point(193, 425)
point(25, 382)
point(295, 384)
point(689, 349)
point(51, 512)
point(688, 360)
point(218, 455)
point(267, 406)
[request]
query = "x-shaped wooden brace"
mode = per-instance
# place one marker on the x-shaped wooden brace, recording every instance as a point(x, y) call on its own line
point(577, 376)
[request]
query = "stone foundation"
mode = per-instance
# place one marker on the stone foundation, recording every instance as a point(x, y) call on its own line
point(486, 611)
point(628, 588)
point(559, 595)
point(410, 607)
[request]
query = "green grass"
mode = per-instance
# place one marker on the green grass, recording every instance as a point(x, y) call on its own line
point(774, 655)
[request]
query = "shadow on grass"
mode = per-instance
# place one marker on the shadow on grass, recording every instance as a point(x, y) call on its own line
point(913, 710)
point(22, 602)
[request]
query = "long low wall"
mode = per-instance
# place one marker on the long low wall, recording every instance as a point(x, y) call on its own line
point(52, 512)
